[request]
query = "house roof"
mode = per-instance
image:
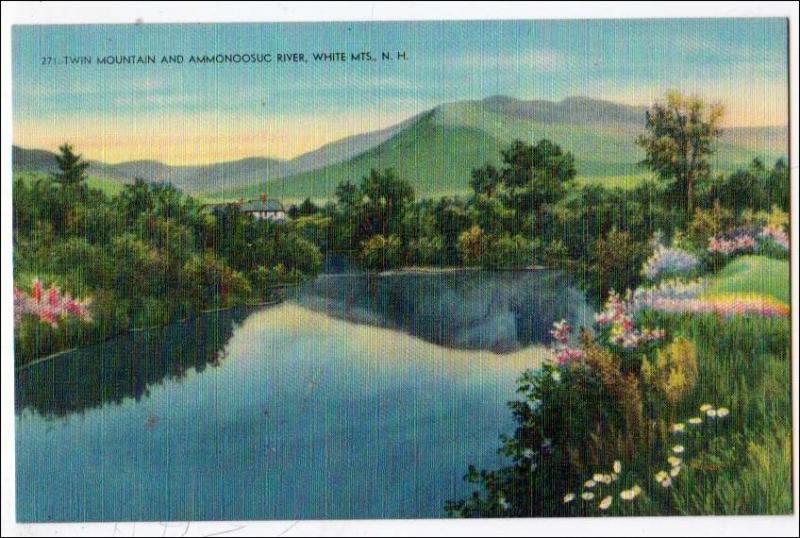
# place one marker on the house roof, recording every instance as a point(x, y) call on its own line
point(270, 205)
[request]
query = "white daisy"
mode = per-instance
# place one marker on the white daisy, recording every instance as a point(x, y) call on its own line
point(674, 461)
point(694, 421)
point(711, 413)
point(722, 412)
point(587, 495)
point(678, 449)
point(706, 407)
point(626, 495)
point(589, 484)
point(569, 497)
point(679, 427)
point(675, 471)
point(617, 466)
point(605, 503)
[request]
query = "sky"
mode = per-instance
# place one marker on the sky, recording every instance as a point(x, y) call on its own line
point(201, 113)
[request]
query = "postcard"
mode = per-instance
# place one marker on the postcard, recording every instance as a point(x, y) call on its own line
point(401, 270)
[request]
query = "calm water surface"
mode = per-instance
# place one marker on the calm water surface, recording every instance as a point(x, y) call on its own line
point(357, 397)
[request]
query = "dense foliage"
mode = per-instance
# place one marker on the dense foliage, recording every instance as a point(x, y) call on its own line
point(143, 257)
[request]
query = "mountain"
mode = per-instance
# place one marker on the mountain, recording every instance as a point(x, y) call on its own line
point(436, 150)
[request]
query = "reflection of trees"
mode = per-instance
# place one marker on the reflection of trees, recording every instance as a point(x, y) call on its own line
point(458, 309)
point(126, 366)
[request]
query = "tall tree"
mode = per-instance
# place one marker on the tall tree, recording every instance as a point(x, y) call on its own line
point(679, 140)
point(72, 167)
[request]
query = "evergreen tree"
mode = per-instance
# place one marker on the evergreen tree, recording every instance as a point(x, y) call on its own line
point(72, 167)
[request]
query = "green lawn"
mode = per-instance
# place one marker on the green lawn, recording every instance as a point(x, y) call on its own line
point(753, 274)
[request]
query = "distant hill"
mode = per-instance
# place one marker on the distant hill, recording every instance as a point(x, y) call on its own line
point(437, 150)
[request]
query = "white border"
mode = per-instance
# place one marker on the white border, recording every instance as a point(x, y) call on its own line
point(127, 12)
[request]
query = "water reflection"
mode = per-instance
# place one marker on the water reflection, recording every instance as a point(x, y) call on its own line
point(464, 309)
point(125, 366)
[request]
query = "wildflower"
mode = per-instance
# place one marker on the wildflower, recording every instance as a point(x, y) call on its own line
point(674, 461)
point(556, 375)
point(561, 331)
point(606, 479)
point(597, 477)
point(675, 471)
point(678, 449)
point(678, 428)
point(617, 466)
point(662, 477)
point(587, 495)
point(528, 453)
point(636, 490)
point(589, 484)
point(694, 421)
point(711, 413)
point(605, 503)
point(569, 497)
point(626, 495)
point(722, 412)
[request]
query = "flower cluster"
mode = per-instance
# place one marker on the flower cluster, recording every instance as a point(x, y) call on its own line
point(667, 290)
point(776, 235)
point(748, 239)
point(593, 486)
point(563, 353)
point(49, 306)
point(665, 477)
point(736, 241)
point(668, 261)
point(725, 305)
point(617, 319)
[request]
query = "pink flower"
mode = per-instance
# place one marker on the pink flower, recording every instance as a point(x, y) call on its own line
point(36, 290)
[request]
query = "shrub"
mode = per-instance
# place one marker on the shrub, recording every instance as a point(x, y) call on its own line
point(380, 253)
point(507, 252)
point(471, 244)
point(673, 373)
point(669, 262)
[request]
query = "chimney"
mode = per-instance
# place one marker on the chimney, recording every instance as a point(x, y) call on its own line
point(263, 197)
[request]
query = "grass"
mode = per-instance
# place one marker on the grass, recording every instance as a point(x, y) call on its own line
point(744, 467)
point(753, 275)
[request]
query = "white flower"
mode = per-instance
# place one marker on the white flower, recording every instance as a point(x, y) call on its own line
point(694, 421)
point(597, 477)
point(636, 490)
point(605, 503)
point(675, 471)
point(674, 460)
point(589, 484)
point(711, 413)
point(556, 375)
point(569, 497)
point(587, 495)
point(678, 449)
point(607, 478)
point(706, 407)
point(667, 482)
point(679, 427)
point(617, 466)
point(528, 453)
point(722, 412)
point(661, 476)
point(626, 495)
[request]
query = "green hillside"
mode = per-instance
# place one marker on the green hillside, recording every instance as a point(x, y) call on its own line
point(753, 274)
point(438, 152)
point(108, 186)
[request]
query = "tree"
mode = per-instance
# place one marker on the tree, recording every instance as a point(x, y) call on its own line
point(485, 180)
point(679, 141)
point(535, 177)
point(72, 167)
